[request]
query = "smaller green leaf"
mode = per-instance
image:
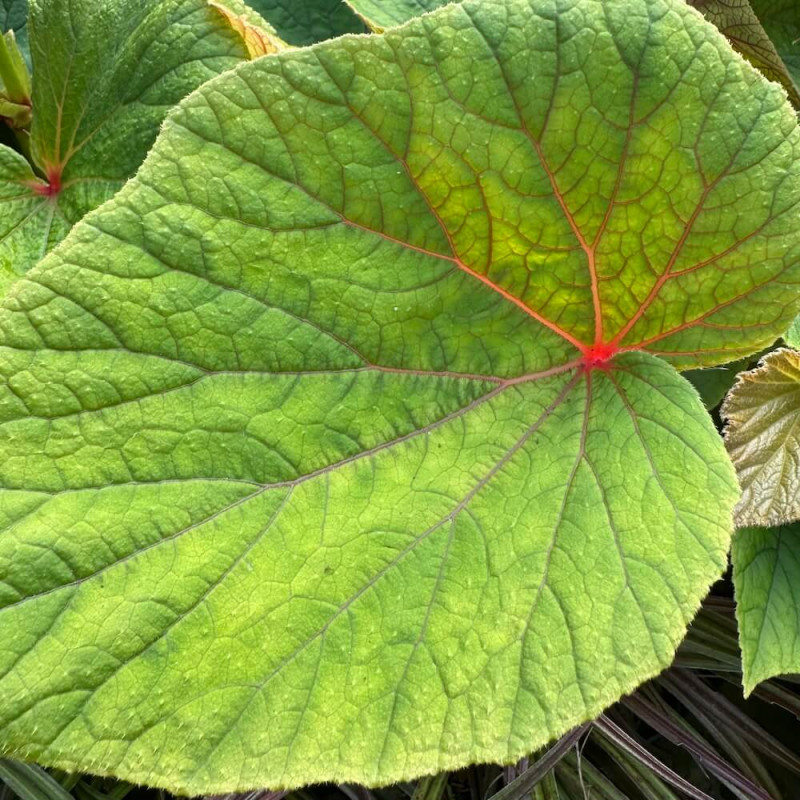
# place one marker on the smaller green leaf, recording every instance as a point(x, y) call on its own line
point(766, 574)
point(104, 83)
point(16, 81)
point(382, 14)
point(740, 24)
point(29, 223)
point(781, 21)
point(763, 438)
point(17, 114)
point(301, 22)
point(258, 40)
point(14, 17)
point(713, 383)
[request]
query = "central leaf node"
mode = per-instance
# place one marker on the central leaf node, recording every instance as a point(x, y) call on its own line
point(53, 185)
point(599, 355)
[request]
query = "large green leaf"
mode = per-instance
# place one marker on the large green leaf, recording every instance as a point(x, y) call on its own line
point(104, 82)
point(766, 572)
point(763, 439)
point(335, 446)
point(301, 22)
point(739, 22)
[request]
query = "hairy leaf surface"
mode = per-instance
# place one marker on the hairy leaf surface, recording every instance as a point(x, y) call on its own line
point(766, 572)
point(336, 446)
point(763, 439)
point(302, 22)
point(104, 82)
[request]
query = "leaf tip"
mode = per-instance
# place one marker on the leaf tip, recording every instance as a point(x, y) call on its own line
point(257, 42)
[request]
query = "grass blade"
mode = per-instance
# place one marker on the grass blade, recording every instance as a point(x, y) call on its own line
point(522, 786)
point(431, 788)
point(30, 782)
point(701, 752)
point(684, 686)
point(581, 775)
point(620, 738)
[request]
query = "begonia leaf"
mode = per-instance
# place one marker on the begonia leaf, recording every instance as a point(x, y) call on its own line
point(346, 442)
point(104, 80)
point(766, 573)
point(763, 437)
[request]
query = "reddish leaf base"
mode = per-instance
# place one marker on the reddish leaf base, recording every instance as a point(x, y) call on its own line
point(53, 185)
point(598, 356)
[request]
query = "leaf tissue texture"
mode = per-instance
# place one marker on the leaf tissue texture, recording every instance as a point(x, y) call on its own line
point(336, 445)
point(105, 79)
point(763, 438)
point(781, 20)
point(792, 336)
point(301, 22)
point(740, 24)
point(766, 573)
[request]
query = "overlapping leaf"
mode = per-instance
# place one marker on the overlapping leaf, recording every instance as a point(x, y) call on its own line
point(741, 25)
point(104, 82)
point(14, 17)
point(766, 572)
point(763, 438)
point(781, 21)
point(336, 447)
point(380, 14)
point(301, 22)
point(713, 383)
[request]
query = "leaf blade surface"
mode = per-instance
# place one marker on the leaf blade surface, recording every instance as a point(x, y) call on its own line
point(766, 565)
point(302, 22)
point(740, 23)
point(357, 354)
point(762, 413)
point(104, 82)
